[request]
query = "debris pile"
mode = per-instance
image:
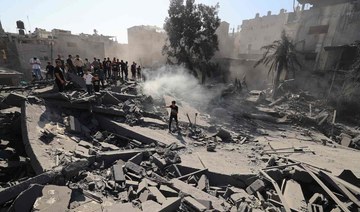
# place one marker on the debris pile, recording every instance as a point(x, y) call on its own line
point(111, 152)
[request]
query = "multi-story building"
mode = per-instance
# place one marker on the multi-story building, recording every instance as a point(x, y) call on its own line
point(260, 31)
point(145, 45)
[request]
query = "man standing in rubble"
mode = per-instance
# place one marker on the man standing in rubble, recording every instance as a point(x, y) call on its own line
point(174, 110)
point(35, 64)
point(78, 63)
point(70, 64)
point(59, 76)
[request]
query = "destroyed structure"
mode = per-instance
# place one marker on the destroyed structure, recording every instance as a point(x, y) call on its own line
point(241, 151)
point(111, 152)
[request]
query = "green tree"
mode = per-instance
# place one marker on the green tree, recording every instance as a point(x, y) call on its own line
point(191, 35)
point(280, 56)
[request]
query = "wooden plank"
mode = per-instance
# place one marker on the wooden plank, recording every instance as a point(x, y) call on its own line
point(327, 190)
point(278, 191)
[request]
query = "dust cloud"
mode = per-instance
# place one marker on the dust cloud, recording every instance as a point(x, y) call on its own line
point(177, 82)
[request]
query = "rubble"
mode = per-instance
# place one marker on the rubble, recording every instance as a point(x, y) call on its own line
point(111, 152)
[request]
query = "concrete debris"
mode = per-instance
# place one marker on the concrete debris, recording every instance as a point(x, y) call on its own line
point(112, 151)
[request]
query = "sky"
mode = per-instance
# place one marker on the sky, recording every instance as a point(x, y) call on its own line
point(113, 17)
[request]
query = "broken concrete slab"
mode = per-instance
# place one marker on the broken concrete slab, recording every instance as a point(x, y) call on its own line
point(293, 195)
point(111, 156)
point(171, 204)
point(14, 99)
point(167, 191)
point(150, 206)
point(203, 183)
point(54, 198)
point(26, 199)
point(135, 168)
point(142, 134)
point(160, 198)
point(118, 173)
point(196, 193)
point(33, 120)
point(9, 193)
point(258, 185)
point(194, 204)
point(346, 139)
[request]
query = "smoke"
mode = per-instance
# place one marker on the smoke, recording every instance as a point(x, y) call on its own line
point(177, 82)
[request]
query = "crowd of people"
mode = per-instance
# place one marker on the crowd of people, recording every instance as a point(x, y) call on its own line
point(94, 73)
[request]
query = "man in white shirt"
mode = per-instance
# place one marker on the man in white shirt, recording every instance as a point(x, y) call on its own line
point(35, 64)
point(88, 81)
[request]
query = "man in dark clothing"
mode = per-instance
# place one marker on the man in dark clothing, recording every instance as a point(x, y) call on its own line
point(126, 70)
point(59, 76)
point(173, 114)
point(133, 71)
point(95, 64)
point(70, 64)
point(62, 62)
point(96, 83)
point(104, 65)
point(114, 68)
point(108, 68)
point(122, 66)
point(50, 71)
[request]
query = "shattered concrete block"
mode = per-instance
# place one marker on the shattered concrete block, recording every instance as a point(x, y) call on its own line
point(203, 183)
point(146, 195)
point(135, 168)
point(167, 191)
point(150, 206)
point(131, 183)
point(54, 198)
point(258, 185)
point(111, 156)
point(118, 173)
point(346, 140)
point(185, 188)
point(143, 185)
point(74, 168)
point(160, 162)
point(160, 198)
point(75, 124)
point(171, 204)
point(195, 205)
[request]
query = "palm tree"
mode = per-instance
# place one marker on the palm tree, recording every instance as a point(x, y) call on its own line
point(280, 56)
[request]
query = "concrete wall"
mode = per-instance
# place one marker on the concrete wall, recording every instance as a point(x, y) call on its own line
point(260, 31)
point(331, 25)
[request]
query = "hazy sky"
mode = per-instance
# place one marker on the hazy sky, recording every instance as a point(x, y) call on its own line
point(113, 17)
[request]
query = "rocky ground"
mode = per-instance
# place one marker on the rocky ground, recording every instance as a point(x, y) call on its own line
point(112, 152)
